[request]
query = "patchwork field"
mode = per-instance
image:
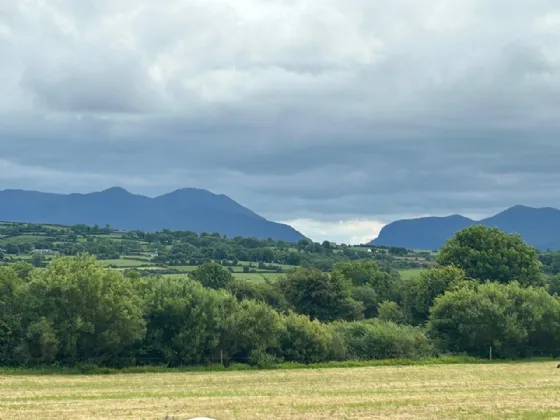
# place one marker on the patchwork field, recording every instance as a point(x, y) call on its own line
point(497, 391)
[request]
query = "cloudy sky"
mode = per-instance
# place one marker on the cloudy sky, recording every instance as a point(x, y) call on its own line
point(334, 115)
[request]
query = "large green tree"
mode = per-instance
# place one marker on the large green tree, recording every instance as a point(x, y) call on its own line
point(321, 295)
point(10, 313)
point(77, 310)
point(371, 285)
point(368, 273)
point(212, 275)
point(422, 291)
point(489, 254)
point(184, 321)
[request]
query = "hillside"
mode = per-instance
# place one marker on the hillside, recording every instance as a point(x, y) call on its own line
point(539, 227)
point(176, 253)
point(186, 209)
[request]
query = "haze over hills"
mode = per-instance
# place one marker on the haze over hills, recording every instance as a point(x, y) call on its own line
point(191, 209)
point(539, 227)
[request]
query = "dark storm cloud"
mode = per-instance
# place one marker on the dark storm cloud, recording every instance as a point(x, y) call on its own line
point(338, 110)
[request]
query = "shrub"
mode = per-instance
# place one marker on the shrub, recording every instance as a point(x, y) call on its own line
point(374, 339)
point(513, 320)
point(391, 312)
point(305, 341)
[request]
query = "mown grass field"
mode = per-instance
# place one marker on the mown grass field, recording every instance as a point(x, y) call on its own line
point(480, 391)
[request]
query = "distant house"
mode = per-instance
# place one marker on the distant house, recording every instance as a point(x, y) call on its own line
point(154, 254)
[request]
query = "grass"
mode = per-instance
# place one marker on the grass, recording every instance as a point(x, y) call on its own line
point(258, 277)
point(124, 262)
point(460, 391)
point(176, 276)
point(25, 239)
point(184, 267)
point(411, 273)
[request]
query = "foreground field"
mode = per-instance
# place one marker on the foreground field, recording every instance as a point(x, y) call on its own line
point(520, 391)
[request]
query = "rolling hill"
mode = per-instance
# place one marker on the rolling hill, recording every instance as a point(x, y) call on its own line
point(539, 227)
point(191, 209)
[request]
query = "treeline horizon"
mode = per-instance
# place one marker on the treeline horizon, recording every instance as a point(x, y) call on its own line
point(487, 294)
point(179, 248)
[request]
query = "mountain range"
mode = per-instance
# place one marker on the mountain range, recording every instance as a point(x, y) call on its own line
point(539, 227)
point(190, 209)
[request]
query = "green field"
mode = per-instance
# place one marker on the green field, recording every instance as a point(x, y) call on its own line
point(184, 267)
point(492, 391)
point(410, 274)
point(258, 277)
point(125, 262)
point(251, 277)
point(22, 239)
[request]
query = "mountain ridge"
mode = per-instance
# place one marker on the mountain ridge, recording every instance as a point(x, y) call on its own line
point(538, 226)
point(193, 209)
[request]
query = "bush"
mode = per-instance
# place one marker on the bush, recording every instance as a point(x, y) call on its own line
point(262, 359)
point(514, 321)
point(305, 341)
point(391, 312)
point(374, 339)
point(250, 326)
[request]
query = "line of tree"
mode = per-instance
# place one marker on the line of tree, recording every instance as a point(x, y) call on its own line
point(487, 292)
point(177, 248)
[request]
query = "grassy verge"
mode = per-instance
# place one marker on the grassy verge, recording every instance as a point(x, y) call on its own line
point(95, 370)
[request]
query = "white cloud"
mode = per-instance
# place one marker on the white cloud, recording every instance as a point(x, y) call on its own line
point(351, 232)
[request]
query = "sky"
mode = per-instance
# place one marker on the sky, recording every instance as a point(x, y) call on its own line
point(336, 116)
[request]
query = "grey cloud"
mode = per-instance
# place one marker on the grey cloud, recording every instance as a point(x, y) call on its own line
point(100, 85)
point(333, 110)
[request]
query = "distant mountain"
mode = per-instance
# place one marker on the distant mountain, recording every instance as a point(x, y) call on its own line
point(186, 209)
point(539, 227)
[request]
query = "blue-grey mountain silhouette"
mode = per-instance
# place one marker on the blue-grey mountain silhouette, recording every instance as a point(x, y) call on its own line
point(539, 227)
point(191, 209)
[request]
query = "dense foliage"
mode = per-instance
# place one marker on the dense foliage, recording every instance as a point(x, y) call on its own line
point(181, 248)
point(512, 320)
point(487, 295)
point(490, 254)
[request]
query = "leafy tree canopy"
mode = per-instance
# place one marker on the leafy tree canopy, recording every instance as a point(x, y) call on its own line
point(490, 254)
point(212, 275)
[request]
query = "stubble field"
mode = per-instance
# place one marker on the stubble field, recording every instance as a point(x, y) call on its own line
point(484, 391)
